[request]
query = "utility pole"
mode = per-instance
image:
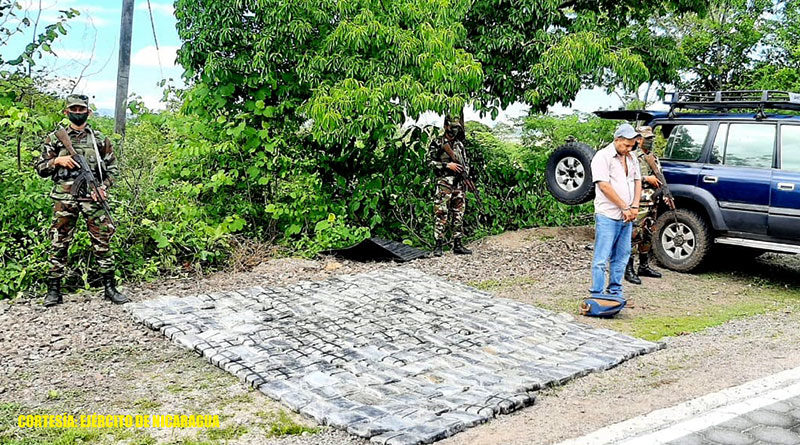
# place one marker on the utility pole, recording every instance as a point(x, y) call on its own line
point(124, 67)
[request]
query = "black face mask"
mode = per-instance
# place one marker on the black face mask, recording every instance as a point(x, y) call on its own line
point(453, 132)
point(78, 118)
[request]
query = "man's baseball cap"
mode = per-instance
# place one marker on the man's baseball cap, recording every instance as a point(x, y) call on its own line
point(78, 99)
point(626, 131)
point(646, 131)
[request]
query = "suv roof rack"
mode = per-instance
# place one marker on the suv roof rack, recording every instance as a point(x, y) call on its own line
point(726, 100)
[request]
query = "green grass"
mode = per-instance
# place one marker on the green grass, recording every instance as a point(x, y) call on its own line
point(656, 327)
point(280, 423)
point(226, 434)
point(146, 405)
point(488, 285)
point(243, 398)
point(10, 434)
point(175, 388)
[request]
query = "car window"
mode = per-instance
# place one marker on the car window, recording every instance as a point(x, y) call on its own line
point(750, 145)
point(718, 149)
point(790, 147)
point(685, 142)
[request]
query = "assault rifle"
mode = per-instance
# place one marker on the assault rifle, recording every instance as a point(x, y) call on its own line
point(85, 178)
point(469, 184)
point(668, 198)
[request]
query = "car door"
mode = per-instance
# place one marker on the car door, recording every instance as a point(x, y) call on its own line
point(738, 174)
point(784, 210)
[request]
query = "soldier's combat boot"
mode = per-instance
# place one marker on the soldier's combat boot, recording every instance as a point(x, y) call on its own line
point(438, 248)
point(111, 292)
point(459, 248)
point(53, 292)
point(644, 268)
point(630, 274)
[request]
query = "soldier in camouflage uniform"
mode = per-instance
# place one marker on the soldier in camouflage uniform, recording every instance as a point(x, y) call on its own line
point(642, 237)
point(449, 202)
point(56, 163)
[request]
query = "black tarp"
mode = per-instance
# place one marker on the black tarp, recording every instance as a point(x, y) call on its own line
point(379, 249)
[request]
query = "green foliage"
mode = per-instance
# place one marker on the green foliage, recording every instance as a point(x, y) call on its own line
point(551, 131)
point(721, 45)
point(280, 423)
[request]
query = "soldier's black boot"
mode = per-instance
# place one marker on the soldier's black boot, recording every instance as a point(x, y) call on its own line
point(644, 268)
point(111, 292)
point(459, 248)
point(630, 274)
point(438, 248)
point(53, 296)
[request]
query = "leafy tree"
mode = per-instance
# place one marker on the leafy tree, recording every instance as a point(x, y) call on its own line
point(722, 45)
point(547, 132)
point(779, 66)
point(300, 100)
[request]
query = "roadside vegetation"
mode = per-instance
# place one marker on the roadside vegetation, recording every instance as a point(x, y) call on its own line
point(296, 145)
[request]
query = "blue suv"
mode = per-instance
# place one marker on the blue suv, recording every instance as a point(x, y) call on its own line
point(735, 176)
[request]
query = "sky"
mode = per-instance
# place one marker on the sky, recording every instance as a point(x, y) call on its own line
point(92, 41)
point(91, 46)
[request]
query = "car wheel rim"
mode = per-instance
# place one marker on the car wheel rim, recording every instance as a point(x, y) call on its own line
point(570, 174)
point(678, 241)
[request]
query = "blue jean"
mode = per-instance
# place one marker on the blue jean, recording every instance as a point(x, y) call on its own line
point(612, 244)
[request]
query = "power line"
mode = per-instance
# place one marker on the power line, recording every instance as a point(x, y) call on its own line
point(155, 39)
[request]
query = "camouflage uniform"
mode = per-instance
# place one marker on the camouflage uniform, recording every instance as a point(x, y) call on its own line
point(642, 239)
point(67, 208)
point(449, 202)
point(642, 234)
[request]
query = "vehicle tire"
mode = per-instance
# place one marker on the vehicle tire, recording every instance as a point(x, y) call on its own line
point(569, 173)
point(681, 246)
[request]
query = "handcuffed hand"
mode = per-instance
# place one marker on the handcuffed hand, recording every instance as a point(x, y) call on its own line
point(628, 215)
point(65, 161)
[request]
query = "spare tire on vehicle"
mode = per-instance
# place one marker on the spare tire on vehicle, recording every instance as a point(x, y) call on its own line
point(569, 173)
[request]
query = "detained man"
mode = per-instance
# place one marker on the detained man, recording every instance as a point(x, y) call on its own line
point(618, 188)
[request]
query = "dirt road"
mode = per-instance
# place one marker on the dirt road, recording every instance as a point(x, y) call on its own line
point(732, 323)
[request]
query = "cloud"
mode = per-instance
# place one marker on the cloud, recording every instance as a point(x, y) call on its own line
point(85, 19)
point(102, 93)
point(53, 5)
point(153, 102)
point(69, 54)
point(163, 8)
point(148, 56)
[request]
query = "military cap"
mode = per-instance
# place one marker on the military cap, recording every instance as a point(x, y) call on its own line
point(452, 120)
point(645, 131)
point(78, 99)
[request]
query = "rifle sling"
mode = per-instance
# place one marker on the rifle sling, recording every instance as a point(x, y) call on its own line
point(651, 161)
point(61, 135)
point(449, 150)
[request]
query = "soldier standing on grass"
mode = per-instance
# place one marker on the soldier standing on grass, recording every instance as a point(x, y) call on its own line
point(56, 163)
point(449, 202)
point(642, 238)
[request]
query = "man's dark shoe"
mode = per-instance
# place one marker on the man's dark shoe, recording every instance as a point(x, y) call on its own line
point(53, 296)
point(644, 268)
point(459, 248)
point(437, 249)
point(111, 292)
point(630, 274)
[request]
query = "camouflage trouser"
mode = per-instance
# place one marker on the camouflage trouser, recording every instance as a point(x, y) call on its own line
point(449, 203)
point(642, 236)
point(65, 219)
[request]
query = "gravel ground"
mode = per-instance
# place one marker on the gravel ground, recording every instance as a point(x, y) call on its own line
point(88, 356)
